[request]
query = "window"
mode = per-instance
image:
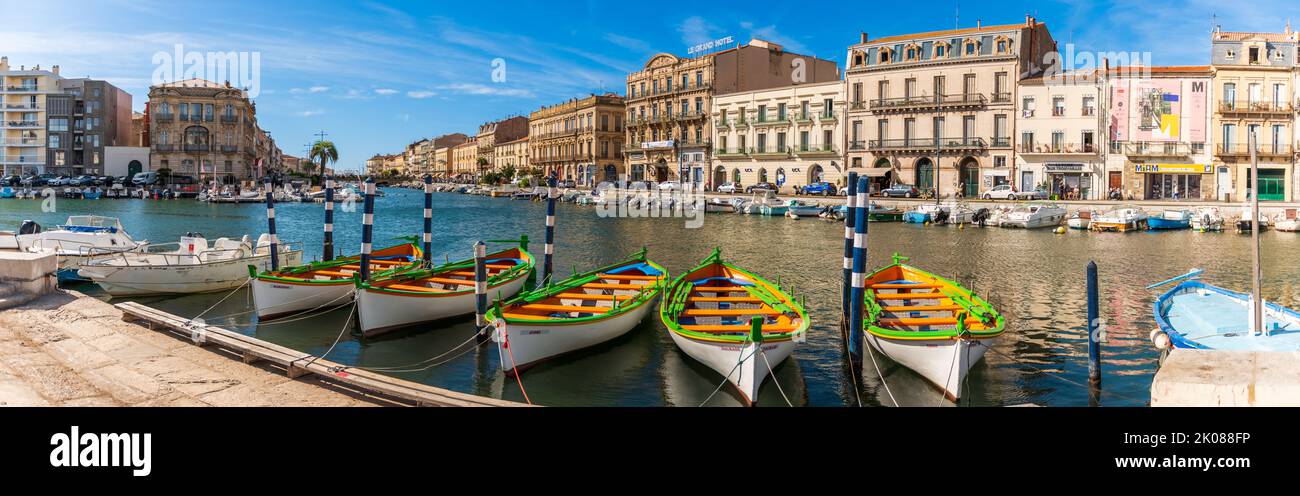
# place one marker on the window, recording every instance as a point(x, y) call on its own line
point(780, 112)
point(699, 78)
point(940, 85)
point(970, 48)
point(668, 84)
point(803, 110)
point(54, 141)
point(940, 50)
point(882, 89)
point(780, 142)
point(1000, 87)
point(1002, 46)
point(699, 105)
point(857, 92)
point(1058, 106)
point(909, 129)
point(1254, 55)
point(1058, 141)
point(827, 140)
point(1229, 95)
point(882, 129)
point(968, 85)
point(762, 143)
point(185, 111)
point(999, 130)
point(909, 88)
point(58, 124)
point(999, 161)
point(762, 113)
point(828, 107)
point(1089, 105)
point(911, 53)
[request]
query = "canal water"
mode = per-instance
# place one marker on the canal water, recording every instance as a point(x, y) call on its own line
point(1035, 278)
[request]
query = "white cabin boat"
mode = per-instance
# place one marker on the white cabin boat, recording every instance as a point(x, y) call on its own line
point(1207, 219)
point(1122, 219)
point(1033, 215)
point(78, 240)
point(189, 266)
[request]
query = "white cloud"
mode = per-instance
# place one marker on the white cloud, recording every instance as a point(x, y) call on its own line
point(696, 30)
point(385, 91)
point(313, 89)
point(310, 113)
point(420, 94)
point(481, 89)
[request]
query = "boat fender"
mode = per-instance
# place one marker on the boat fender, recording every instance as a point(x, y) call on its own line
point(1160, 339)
point(1059, 230)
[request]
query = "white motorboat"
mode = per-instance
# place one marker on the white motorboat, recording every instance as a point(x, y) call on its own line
point(1207, 219)
point(189, 266)
point(1243, 224)
point(800, 208)
point(1033, 215)
point(1079, 219)
point(720, 205)
point(1122, 219)
point(77, 241)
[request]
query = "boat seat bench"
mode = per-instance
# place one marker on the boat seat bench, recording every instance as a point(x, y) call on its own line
point(910, 296)
point(729, 312)
point(596, 297)
point(927, 321)
point(627, 277)
point(725, 299)
point(565, 308)
point(632, 287)
point(407, 287)
point(922, 308)
point(739, 328)
point(903, 286)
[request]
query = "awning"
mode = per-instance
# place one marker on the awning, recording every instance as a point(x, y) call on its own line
point(875, 172)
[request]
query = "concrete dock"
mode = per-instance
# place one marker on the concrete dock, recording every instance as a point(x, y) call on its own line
point(1227, 378)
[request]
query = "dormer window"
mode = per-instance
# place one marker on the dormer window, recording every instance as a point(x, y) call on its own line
point(971, 46)
point(858, 59)
point(884, 55)
point(1230, 55)
point(1002, 46)
point(1254, 55)
point(911, 54)
point(940, 51)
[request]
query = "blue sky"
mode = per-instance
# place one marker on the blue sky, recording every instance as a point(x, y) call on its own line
point(377, 75)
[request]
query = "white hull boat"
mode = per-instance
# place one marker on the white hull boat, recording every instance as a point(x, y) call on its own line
point(1122, 219)
point(1207, 219)
point(194, 267)
point(943, 362)
point(79, 240)
point(1033, 216)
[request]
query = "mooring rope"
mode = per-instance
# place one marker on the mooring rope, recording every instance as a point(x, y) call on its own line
point(879, 374)
point(513, 366)
point(224, 298)
point(844, 335)
point(408, 367)
point(347, 323)
point(726, 377)
point(772, 374)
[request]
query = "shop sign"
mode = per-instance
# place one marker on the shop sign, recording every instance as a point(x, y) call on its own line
point(996, 173)
point(1172, 168)
point(657, 144)
point(1063, 167)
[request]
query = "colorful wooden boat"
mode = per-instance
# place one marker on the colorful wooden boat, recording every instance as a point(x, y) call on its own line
point(324, 284)
point(929, 324)
point(581, 311)
point(708, 312)
point(1197, 315)
point(436, 293)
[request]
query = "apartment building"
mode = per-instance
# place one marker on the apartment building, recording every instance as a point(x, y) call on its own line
point(209, 131)
point(1060, 131)
point(464, 159)
point(85, 116)
point(669, 103)
point(441, 160)
point(1254, 87)
point(579, 140)
point(790, 136)
point(936, 110)
point(511, 154)
point(1160, 144)
point(491, 133)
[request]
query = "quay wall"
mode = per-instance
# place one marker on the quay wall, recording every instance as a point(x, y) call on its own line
point(1227, 378)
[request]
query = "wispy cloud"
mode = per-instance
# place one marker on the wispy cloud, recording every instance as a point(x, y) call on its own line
point(696, 30)
point(420, 94)
point(770, 33)
point(310, 113)
point(385, 91)
point(313, 89)
point(482, 89)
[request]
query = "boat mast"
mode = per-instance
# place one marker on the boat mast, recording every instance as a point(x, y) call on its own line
point(1256, 276)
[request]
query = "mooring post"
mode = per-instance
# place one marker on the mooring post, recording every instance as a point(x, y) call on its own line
point(428, 220)
point(480, 291)
point(328, 250)
point(270, 222)
point(367, 226)
point(550, 229)
point(850, 213)
point(1094, 336)
point(859, 272)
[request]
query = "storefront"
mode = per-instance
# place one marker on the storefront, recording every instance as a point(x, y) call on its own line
point(1175, 181)
point(1068, 181)
point(996, 177)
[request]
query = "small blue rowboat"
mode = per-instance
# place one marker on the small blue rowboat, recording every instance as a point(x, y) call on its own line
point(7, 192)
point(916, 217)
point(1169, 220)
point(1196, 315)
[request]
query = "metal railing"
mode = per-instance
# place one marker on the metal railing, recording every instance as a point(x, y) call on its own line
point(1155, 149)
point(1058, 148)
point(1261, 149)
point(932, 101)
point(1255, 106)
point(927, 144)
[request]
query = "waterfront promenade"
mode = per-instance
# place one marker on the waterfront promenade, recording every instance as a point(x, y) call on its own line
point(67, 349)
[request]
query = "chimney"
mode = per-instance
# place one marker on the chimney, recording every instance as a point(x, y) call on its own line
point(864, 37)
point(979, 23)
point(4, 63)
point(55, 69)
point(1029, 20)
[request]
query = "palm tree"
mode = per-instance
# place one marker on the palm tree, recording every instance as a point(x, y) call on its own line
point(323, 153)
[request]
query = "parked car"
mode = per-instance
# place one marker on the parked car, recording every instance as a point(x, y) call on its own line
point(728, 188)
point(1036, 194)
point(763, 186)
point(670, 186)
point(820, 188)
point(900, 191)
point(1007, 192)
point(145, 179)
point(11, 180)
point(81, 181)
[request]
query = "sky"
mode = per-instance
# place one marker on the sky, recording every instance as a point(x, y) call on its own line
point(375, 76)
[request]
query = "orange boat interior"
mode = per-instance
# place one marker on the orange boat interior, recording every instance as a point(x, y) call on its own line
point(723, 300)
point(382, 260)
point(596, 296)
point(914, 301)
point(454, 279)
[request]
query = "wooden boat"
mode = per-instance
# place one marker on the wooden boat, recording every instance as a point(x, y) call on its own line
point(720, 205)
point(929, 324)
point(877, 213)
point(1170, 220)
point(708, 311)
point(1033, 215)
point(436, 293)
point(324, 284)
point(190, 266)
point(581, 311)
point(1196, 315)
point(1207, 219)
point(1122, 219)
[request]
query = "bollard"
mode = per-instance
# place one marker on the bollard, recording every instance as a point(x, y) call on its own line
point(480, 291)
point(367, 227)
point(550, 230)
point(1094, 334)
point(859, 272)
point(270, 222)
point(849, 214)
point(428, 220)
point(328, 249)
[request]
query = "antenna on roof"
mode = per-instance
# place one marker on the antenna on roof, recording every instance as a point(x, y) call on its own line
point(956, 21)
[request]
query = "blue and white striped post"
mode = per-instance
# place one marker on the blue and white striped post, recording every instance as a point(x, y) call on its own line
point(428, 220)
point(850, 212)
point(328, 253)
point(270, 222)
point(480, 291)
point(859, 271)
point(550, 230)
point(367, 227)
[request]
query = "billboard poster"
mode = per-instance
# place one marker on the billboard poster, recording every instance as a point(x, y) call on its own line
point(1119, 111)
point(1198, 98)
point(1158, 108)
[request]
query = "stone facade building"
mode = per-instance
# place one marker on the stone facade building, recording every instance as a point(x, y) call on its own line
point(1159, 133)
point(937, 110)
point(208, 131)
point(491, 133)
point(464, 160)
point(511, 154)
point(579, 140)
point(1254, 88)
point(790, 136)
point(1060, 135)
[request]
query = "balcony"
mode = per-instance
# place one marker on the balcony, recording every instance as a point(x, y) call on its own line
point(22, 160)
point(722, 125)
point(815, 150)
point(694, 144)
point(928, 103)
point(924, 146)
point(197, 148)
point(770, 121)
point(828, 117)
point(803, 118)
point(858, 105)
point(21, 124)
point(1275, 151)
point(25, 107)
point(857, 146)
point(229, 119)
point(725, 153)
point(1151, 149)
point(779, 151)
point(688, 116)
point(1001, 98)
point(164, 148)
point(167, 117)
point(657, 145)
point(1255, 108)
point(1058, 149)
point(229, 149)
point(1000, 142)
point(27, 142)
point(20, 89)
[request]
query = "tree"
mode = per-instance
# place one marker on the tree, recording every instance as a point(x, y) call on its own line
point(323, 153)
